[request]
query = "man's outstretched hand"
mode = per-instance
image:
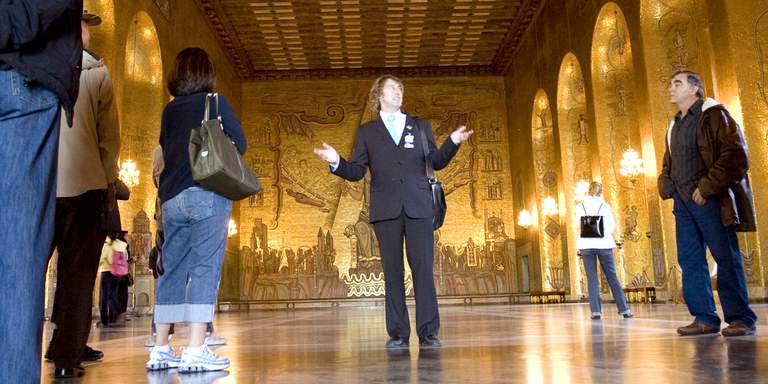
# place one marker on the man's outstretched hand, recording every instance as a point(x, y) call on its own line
point(461, 135)
point(328, 154)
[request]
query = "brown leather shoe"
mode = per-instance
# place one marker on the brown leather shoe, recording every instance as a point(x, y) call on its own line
point(737, 328)
point(697, 328)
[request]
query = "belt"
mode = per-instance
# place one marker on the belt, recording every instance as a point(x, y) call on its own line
point(4, 66)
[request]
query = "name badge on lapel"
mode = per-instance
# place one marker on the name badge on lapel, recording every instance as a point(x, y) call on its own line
point(408, 138)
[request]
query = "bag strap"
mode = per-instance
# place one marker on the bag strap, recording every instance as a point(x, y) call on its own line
point(430, 170)
point(584, 208)
point(207, 114)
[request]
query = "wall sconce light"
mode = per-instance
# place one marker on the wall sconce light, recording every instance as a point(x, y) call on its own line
point(524, 219)
point(549, 206)
point(631, 164)
point(581, 190)
point(231, 228)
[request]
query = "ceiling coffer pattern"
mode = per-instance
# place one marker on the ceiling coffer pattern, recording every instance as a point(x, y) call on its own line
point(324, 38)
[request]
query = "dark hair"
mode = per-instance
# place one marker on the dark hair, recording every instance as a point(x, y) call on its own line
point(694, 79)
point(192, 72)
point(377, 88)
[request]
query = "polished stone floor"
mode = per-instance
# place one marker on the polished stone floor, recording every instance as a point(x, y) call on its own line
point(481, 344)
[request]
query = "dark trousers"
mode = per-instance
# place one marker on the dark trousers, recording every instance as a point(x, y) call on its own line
point(79, 239)
point(699, 227)
point(122, 294)
point(419, 240)
point(109, 305)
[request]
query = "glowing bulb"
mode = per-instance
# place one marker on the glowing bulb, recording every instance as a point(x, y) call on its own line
point(549, 206)
point(631, 164)
point(581, 190)
point(524, 219)
point(231, 228)
point(129, 173)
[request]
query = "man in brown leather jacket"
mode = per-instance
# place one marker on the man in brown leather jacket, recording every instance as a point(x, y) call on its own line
point(705, 172)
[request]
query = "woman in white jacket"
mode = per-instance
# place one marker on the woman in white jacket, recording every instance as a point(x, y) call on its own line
point(594, 248)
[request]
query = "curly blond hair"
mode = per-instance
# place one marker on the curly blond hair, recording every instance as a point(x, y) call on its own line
point(376, 90)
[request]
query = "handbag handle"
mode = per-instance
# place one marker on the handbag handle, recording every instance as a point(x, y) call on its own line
point(207, 115)
point(430, 170)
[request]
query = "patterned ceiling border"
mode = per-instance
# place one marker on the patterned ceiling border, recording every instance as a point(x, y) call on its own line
point(227, 37)
point(317, 74)
point(528, 12)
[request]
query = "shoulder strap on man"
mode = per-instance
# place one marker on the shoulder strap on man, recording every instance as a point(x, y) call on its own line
point(430, 170)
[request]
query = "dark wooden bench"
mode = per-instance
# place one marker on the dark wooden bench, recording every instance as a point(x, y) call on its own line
point(640, 294)
point(546, 297)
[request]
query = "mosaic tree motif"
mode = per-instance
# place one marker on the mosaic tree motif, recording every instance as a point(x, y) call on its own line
point(576, 152)
point(675, 32)
point(617, 131)
point(548, 192)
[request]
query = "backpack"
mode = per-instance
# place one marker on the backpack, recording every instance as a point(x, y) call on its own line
point(592, 226)
point(119, 266)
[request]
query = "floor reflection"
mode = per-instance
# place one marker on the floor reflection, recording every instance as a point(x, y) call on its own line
point(481, 344)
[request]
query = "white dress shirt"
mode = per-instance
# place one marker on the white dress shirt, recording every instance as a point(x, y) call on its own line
point(399, 123)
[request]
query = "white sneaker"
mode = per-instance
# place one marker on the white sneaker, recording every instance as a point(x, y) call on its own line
point(150, 341)
point(214, 339)
point(201, 359)
point(162, 358)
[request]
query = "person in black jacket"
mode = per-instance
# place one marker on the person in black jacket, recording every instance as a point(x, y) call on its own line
point(401, 203)
point(40, 57)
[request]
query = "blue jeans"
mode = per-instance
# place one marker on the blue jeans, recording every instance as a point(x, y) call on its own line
point(29, 125)
point(590, 257)
point(195, 223)
point(697, 227)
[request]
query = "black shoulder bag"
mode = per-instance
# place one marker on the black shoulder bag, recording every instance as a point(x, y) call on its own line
point(592, 226)
point(436, 187)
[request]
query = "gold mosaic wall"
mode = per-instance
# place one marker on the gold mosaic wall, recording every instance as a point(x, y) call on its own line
point(615, 101)
point(603, 65)
point(739, 43)
point(577, 149)
point(306, 235)
point(554, 266)
point(630, 49)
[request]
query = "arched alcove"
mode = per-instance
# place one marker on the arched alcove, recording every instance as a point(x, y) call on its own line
point(617, 131)
point(142, 106)
point(576, 151)
point(554, 267)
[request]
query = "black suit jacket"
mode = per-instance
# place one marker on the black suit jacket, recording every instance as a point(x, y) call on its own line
point(398, 174)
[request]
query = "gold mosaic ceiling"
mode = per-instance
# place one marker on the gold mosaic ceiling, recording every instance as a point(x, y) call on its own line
point(317, 38)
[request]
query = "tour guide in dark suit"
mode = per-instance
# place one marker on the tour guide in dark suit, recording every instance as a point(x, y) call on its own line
point(401, 203)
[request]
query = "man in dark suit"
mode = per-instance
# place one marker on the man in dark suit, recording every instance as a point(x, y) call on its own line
point(401, 203)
